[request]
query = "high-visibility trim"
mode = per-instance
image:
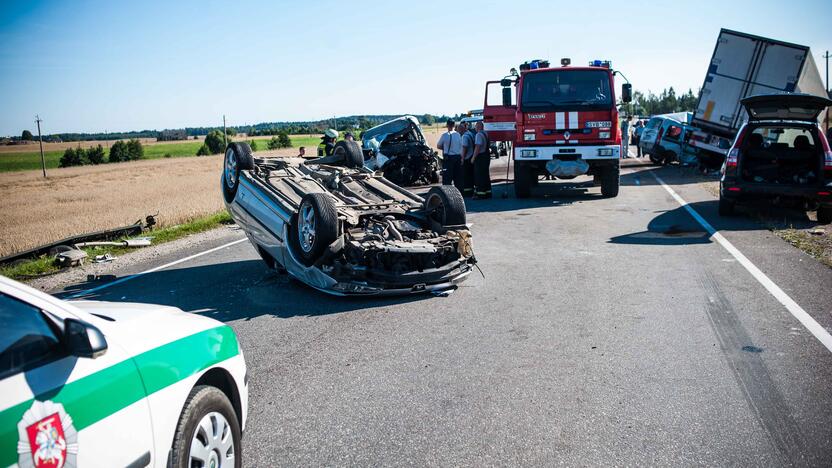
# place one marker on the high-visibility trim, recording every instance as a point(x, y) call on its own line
point(573, 120)
point(560, 121)
point(97, 396)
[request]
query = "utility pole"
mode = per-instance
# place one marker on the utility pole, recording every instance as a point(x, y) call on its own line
point(826, 56)
point(40, 138)
point(224, 132)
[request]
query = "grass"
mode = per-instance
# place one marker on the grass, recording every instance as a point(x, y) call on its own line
point(30, 160)
point(46, 265)
point(817, 246)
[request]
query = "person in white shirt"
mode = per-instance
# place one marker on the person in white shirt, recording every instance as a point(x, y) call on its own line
point(450, 143)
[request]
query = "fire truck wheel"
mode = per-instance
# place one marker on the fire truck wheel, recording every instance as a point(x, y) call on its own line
point(610, 182)
point(522, 180)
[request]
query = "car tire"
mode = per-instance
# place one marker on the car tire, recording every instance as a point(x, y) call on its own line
point(237, 158)
point(315, 227)
point(445, 205)
point(655, 160)
point(206, 403)
point(353, 156)
point(610, 181)
point(522, 180)
point(726, 207)
point(825, 214)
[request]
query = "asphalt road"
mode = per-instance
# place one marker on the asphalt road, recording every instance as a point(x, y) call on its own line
point(604, 332)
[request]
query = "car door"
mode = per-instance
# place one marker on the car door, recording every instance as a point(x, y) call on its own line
point(57, 409)
point(498, 118)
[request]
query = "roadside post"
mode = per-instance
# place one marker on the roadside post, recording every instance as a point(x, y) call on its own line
point(40, 139)
point(224, 133)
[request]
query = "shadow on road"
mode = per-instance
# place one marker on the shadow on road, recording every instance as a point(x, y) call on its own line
point(677, 227)
point(235, 290)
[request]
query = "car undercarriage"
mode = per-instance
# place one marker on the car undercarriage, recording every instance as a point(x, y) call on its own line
point(343, 229)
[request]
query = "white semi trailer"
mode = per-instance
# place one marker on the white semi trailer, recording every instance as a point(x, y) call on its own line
point(747, 65)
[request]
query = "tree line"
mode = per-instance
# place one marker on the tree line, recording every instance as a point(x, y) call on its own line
point(130, 150)
point(666, 102)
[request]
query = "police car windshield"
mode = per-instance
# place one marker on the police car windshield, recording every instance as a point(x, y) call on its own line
point(570, 89)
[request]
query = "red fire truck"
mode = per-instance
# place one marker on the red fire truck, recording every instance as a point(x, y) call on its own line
point(562, 122)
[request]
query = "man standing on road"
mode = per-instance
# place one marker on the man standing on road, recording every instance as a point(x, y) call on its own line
point(637, 136)
point(482, 164)
point(625, 138)
point(450, 143)
point(468, 138)
point(327, 144)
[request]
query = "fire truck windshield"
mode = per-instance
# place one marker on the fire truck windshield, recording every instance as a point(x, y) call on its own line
point(566, 90)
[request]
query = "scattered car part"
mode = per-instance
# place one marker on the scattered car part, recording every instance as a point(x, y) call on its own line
point(343, 229)
point(71, 258)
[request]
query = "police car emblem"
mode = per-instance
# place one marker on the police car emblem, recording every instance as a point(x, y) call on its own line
point(47, 438)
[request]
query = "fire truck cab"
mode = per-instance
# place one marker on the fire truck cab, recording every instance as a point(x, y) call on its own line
point(562, 121)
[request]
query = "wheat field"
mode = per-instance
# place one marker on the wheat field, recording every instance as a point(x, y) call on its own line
point(78, 200)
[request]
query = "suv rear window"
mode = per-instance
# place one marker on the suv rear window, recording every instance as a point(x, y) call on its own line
point(653, 123)
point(799, 138)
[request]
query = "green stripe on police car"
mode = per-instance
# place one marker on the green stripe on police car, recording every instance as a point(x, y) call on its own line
point(96, 396)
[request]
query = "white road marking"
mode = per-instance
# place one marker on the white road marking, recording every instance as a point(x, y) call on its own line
point(793, 307)
point(160, 267)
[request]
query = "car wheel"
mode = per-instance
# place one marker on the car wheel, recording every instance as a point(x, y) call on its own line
point(237, 158)
point(825, 214)
point(726, 207)
point(610, 181)
point(654, 159)
point(353, 156)
point(522, 180)
point(208, 433)
point(316, 226)
point(445, 205)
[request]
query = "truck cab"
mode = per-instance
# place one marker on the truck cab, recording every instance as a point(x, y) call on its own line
point(562, 121)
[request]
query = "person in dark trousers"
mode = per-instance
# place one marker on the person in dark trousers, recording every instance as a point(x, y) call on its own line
point(482, 164)
point(467, 165)
point(450, 143)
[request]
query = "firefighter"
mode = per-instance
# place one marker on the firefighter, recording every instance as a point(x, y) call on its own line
point(467, 154)
point(482, 164)
point(327, 144)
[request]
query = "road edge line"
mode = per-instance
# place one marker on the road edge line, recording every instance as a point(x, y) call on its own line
point(816, 329)
point(160, 267)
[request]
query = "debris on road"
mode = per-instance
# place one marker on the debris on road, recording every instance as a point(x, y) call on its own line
point(71, 257)
point(103, 258)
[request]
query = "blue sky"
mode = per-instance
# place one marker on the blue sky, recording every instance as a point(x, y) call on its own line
point(112, 66)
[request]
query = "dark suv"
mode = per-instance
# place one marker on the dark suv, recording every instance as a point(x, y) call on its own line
point(780, 154)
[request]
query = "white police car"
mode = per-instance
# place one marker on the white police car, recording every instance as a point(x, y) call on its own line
point(116, 384)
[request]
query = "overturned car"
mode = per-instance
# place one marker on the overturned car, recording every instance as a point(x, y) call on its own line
point(341, 228)
point(398, 149)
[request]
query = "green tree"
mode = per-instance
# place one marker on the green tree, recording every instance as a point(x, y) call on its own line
point(27, 135)
point(118, 152)
point(95, 155)
point(253, 145)
point(427, 119)
point(72, 157)
point(134, 150)
point(283, 139)
point(273, 144)
point(203, 150)
point(215, 142)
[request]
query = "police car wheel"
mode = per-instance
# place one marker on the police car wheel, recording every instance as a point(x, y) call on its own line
point(208, 434)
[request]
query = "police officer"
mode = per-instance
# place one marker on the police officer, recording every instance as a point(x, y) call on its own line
point(482, 164)
point(451, 145)
point(327, 144)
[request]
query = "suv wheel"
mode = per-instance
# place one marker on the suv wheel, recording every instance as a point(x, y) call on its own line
point(726, 207)
point(825, 214)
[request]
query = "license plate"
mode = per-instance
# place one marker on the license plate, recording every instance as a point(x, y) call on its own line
point(602, 124)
